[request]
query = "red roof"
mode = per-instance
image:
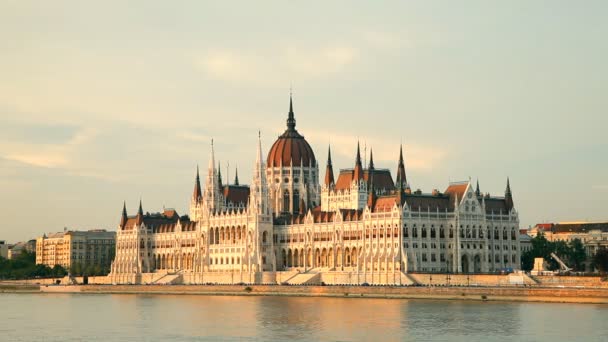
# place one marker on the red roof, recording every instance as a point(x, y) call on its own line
point(382, 179)
point(237, 194)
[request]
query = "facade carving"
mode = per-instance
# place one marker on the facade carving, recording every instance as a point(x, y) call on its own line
point(286, 227)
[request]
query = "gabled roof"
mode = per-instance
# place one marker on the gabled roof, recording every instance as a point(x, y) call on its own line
point(236, 194)
point(382, 179)
point(456, 189)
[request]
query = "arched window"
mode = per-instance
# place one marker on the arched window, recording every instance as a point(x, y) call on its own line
point(504, 233)
point(286, 201)
point(296, 201)
point(264, 237)
point(423, 231)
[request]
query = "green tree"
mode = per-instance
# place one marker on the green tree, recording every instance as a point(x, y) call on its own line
point(600, 260)
point(578, 255)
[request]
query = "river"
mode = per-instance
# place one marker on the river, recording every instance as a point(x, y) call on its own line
point(107, 317)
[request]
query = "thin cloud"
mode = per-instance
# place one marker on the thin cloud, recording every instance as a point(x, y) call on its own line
point(283, 66)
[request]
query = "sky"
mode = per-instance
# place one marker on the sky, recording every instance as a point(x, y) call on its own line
point(112, 101)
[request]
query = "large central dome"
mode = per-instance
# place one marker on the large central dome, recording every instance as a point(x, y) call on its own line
point(291, 147)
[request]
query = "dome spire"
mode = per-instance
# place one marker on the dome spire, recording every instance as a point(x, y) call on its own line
point(291, 120)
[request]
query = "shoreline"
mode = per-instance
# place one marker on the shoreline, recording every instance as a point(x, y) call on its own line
point(494, 294)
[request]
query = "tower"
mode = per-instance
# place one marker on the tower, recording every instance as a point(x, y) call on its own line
point(292, 170)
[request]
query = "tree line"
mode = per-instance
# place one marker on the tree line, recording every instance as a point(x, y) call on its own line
point(23, 266)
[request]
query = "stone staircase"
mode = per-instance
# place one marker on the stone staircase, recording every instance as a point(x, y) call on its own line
point(168, 279)
point(309, 277)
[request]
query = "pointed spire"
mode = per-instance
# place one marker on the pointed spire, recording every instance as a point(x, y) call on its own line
point(477, 191)
point(371, 195)
point(197, 194)
point(401, 181)
point(508, 196)
point(358, 171)
point(291, 120)
point(123, 217)
point(140, 214)
point(329, 171)
point(219, 174)
point(371, 159)
point(236, 176)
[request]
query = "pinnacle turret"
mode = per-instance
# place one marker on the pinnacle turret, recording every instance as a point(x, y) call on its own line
point(329, 171)
point(358, 171)
point(401, 179)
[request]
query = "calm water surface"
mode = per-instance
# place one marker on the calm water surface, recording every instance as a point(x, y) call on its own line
point(78, 317)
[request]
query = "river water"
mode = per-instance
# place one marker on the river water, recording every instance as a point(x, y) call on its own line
point(106, 317)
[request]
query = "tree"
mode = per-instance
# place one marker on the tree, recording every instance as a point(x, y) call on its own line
point(600, 260)
point(578, 255)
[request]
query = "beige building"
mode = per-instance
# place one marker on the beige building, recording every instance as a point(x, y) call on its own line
point(3, 249)
point(93, 247)
point(593, 235)
point(18, 248)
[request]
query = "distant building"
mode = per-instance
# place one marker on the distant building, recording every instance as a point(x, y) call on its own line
point(540, 228)
point(525, 243)
point(3, 249)
point(93, 247)
point(18, 248)
point(593, 235)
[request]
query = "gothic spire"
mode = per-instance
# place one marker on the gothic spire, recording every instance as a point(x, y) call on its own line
point(401, 181)
point(140, 214)
point(197, 194)
point(329, 171)
point(371, 159)
point(358, 171)
point(219, 174)
point(508, 196)
point(477, 191)
point(123, 218)
point(291, 120)
point(371, 195)
point(236, 176)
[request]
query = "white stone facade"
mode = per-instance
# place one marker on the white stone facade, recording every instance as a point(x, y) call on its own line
point(288, 228)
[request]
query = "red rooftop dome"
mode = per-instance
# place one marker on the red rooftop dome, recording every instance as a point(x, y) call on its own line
point(290, 147)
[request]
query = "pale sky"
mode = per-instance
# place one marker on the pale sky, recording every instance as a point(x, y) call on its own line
point(107, 101)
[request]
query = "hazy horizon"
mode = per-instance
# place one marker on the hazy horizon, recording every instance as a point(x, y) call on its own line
point(113, 101)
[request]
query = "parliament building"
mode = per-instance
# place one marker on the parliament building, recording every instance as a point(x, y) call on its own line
point(292, 225)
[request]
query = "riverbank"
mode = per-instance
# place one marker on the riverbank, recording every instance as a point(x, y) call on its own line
point(511, 294)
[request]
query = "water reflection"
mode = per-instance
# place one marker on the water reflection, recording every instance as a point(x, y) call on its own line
point(72, 317)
